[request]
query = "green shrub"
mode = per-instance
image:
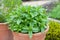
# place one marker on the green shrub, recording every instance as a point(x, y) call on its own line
point(27, 19)
point(55, 12)
point(54, 32)
point(8, 5)
point(11, 3)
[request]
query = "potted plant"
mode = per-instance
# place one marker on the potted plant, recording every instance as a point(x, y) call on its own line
point(5, 33)
point(5, 7)
point(28, 23)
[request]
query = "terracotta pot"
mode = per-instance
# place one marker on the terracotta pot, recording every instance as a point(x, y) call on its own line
point(5, 33)
point(37, 36)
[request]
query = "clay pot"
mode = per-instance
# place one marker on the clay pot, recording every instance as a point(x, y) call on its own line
point(5, 33)
point(37, 36)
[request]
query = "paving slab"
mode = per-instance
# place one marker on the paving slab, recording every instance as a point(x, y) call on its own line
point(52, 19)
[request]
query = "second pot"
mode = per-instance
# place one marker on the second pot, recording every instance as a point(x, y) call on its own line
point(5, 33)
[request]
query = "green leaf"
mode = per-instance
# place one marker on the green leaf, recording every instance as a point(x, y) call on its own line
point(36, 29)
point(42, 29)
point(18, 21)
point(30, 34)
point(24, 31)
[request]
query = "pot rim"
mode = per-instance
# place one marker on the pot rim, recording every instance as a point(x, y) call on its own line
point(4, 26)
point(3, 23)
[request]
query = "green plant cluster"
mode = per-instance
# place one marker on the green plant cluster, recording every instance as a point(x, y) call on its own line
point(11, 3)
point(27, 19)
point(55, 12)
point(2, 19)
point(8, 5)
point(54, 31)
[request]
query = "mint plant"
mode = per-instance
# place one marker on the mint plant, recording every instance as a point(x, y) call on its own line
point(27, 19)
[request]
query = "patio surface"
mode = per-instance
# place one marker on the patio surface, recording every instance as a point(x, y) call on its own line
point(34, 3)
